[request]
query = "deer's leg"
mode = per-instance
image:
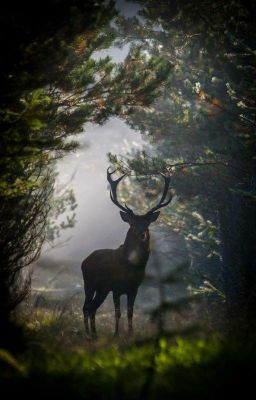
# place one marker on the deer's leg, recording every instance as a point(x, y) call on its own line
point(89, 293)
point(94, 305)
point(131, 296)
point(116, 298)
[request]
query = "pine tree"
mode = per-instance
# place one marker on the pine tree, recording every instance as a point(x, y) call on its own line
point(206, 115)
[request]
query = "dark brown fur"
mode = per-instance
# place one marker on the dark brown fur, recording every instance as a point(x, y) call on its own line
point(121, 271)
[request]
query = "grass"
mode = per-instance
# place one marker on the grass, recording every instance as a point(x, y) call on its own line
point(183, 369)
point(59, 363)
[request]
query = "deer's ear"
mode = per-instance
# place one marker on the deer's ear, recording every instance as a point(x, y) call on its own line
point(153, 217)
point(125, 217)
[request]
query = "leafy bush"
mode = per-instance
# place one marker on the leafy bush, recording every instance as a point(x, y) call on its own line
point(185, 369)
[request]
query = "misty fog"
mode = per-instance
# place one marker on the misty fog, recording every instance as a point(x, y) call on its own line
point(98, 222)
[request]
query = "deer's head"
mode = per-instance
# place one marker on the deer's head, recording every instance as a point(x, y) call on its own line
point(138, 223)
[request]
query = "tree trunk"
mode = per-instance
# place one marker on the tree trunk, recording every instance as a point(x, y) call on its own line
point(238, 231)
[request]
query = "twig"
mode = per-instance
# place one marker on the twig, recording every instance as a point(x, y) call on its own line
point(179, 164)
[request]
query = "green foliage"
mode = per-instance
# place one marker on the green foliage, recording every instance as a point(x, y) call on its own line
point(183, 369)
point(63, 202)
point(45, 106)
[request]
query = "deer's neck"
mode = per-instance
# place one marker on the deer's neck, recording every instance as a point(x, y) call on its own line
point(136, 251)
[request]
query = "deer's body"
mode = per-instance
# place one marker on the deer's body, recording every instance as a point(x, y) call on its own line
point(121, 270)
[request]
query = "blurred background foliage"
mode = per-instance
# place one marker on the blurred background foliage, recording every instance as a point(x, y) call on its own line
point(202, 132)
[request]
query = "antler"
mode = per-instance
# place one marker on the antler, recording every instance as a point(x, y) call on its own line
point(161, 202)
point(113, 195)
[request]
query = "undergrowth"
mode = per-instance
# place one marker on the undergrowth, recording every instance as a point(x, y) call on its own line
point(58, 362)
point(178, 369)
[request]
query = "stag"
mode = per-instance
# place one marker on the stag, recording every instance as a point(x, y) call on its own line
point(120, 271)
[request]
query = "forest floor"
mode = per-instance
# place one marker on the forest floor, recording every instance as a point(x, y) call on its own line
point(54, 309)
point(193, 361)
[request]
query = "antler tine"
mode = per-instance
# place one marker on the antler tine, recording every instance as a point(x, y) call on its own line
point(113, 194)
point(167, 180)
point(161, 203)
